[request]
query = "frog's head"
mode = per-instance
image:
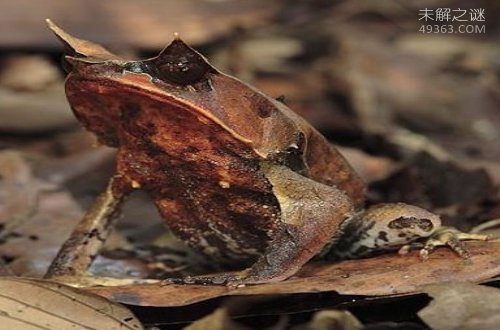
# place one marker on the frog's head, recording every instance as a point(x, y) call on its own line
point(105, 91)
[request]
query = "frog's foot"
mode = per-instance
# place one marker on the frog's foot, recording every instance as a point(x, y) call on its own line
point(446, 236)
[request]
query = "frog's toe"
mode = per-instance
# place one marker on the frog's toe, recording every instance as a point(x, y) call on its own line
point(404, 250)
point(451, 237)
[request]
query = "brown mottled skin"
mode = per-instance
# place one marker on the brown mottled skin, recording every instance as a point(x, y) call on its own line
point(222, 161)
point(234, 173)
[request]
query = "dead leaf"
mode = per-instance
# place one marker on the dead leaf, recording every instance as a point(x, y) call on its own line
point(218, 320)
point(29, 95)
point(149, 24)
point(36, 304)
point(462, 306)
point(370, 168)
point(35, 217)
point(332, 319)
point(388, 274)
point(18, 190)
point(388, 85)
point(427, 181)
point(43, 73)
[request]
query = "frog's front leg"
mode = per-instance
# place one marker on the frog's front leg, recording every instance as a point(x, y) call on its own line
point(80, 249)
point(395, 226)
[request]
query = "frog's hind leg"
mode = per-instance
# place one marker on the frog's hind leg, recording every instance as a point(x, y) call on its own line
point(311, 215)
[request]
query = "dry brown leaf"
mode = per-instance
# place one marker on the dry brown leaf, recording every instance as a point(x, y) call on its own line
point(462, 306)
point(393, 85)
point(383, 275)
point(221, 319)
point(43, 73)
point(38, 304)
point(432, 183)
point(18, 189)
point(145, 24)
point(35, 217)
point(218, 320)
point(333, 319)
point(29, 95)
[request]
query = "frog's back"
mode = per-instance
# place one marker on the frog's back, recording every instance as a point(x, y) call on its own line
point(277, 134)
point(274, 132)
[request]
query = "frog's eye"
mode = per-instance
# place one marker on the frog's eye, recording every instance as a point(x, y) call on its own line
point(180, 64)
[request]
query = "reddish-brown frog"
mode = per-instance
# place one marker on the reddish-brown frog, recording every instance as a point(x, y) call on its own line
point(234, 173)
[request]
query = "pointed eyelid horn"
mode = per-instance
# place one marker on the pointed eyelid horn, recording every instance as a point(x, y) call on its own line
point(78, 47)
